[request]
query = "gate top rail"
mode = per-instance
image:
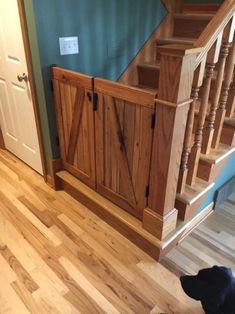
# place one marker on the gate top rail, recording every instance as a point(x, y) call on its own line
point(71, 77)
point(125, 92)
point(128, 93)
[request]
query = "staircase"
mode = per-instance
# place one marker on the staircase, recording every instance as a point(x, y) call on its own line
point(147, 178)
point(196, 180)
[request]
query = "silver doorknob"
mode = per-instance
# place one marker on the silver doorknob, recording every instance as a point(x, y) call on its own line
point(22, 77)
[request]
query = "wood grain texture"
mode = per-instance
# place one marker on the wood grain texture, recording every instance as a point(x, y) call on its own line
point(75, 122)
point(190, 25)
point(176, 72)
point(123, 140)
point(94, 269)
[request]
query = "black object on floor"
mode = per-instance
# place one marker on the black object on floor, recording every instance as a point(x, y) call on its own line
point(214, 287)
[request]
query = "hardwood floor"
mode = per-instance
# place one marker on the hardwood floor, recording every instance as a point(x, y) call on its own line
point(58, 257)
point(212, 243)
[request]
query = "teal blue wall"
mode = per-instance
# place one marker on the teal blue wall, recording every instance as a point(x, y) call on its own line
point(110, 34)
point(225, 175)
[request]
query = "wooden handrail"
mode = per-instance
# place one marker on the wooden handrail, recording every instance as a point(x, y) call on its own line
point(214, 28)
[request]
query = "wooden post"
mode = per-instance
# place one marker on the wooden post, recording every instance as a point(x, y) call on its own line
point(197, 82)
point(172, 105)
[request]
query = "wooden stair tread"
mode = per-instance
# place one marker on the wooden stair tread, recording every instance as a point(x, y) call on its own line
point(217, 155)
point(193, 16)
point(193, 193)
point(230, 121)
point(155, 65)
point(176, 40)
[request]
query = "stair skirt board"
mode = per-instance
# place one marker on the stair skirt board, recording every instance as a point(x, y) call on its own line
point(224, 192)
point(125, 223)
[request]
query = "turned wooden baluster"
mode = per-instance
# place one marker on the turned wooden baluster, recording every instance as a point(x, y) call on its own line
point(196, 149)
point(220, 115)
point(197, 82)
point(230, 108)
point(209, 130)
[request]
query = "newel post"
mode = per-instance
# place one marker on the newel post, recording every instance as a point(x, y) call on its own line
point(172, 105)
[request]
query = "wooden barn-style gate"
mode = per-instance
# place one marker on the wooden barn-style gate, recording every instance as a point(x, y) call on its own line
point(144, 159)
point(106, 134)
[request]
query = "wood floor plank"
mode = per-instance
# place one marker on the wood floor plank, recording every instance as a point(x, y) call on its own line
point(51, 301)
point(6, 272)
point(160, 274)
point(26, 297)
point(18, 270)
point(87, 286)
point(9, 300)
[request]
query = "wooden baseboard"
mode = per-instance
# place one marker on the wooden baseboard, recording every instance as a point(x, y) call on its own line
point(123, 222)
point(49, 180)
point(55, 165)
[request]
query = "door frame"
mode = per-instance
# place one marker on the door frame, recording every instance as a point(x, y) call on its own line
point(32, 85)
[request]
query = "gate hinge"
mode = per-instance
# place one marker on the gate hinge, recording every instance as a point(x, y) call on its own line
point(95, 101)
point(153, 121)
point(147, 191)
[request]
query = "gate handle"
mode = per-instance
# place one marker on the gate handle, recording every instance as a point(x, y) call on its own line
point(22, 77)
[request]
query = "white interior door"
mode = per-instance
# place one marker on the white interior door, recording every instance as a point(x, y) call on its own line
point(16, 108)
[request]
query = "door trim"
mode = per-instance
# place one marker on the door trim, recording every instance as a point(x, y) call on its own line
point(32, 84)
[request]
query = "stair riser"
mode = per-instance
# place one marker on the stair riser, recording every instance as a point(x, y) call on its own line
point(189, 28)
point(186, 211)
point(148, 76)
point(228, 135)
point(209, 172)
point(173, 41)
point(201, 8)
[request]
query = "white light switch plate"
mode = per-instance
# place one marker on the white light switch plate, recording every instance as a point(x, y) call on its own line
point(68, 45)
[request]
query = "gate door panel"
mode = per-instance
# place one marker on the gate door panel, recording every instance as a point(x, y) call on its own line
point(123, 143)
point(75, 122)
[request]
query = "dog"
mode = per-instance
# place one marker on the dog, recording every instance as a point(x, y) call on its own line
point(214, 287)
